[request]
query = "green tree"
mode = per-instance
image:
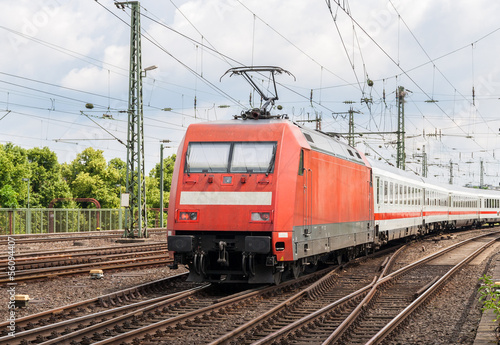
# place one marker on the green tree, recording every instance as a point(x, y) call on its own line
point(8, 197)
point(118, 165)
point(46, 181)
point(168, 172)
point(14, 166)
point(88, 186)
point(91, 177)
point(152, 192)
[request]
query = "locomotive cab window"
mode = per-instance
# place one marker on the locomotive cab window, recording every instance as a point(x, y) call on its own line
point(253, 157)
point(207, 157)
point(235, 157)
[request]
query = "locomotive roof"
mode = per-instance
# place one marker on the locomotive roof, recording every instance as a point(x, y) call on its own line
point(331, 146)
point(317, 141)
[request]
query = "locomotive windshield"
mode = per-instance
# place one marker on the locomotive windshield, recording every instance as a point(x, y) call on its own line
point(234, 157)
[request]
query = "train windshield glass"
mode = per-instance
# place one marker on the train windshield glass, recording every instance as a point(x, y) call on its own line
point(207, 157)
point(235, 157)
point(253, 157)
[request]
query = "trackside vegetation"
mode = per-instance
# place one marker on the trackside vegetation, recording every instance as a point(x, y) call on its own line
point(89, 175)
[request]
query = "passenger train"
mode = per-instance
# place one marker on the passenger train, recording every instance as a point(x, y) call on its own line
point(259, 198)
point(252, 200)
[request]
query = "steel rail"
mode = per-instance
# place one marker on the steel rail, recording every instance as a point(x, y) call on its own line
point(338, 333)
point(392, 325)
point(113, 298)
point(76, 262)
point(296, 326)
point(312, 292)
point(51, 272)
point(86, 323)
point(62, 252)
point(156, 327)
point(335, 336)
point(68, 236)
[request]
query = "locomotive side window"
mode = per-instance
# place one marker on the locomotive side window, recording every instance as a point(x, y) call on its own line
point(301, 163)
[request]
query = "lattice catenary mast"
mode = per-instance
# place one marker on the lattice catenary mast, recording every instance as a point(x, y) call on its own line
point(136, 217)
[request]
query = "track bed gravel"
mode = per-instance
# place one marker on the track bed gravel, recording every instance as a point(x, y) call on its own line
point(59, 291)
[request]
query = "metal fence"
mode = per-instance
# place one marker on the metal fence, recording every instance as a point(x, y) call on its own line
point(60, 220)
point(52, 220)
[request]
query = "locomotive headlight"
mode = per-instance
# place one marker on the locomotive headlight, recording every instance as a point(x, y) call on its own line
point(260, 217)
point(187, 216)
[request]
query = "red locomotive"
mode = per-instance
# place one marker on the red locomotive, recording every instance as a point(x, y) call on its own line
point(258, 197)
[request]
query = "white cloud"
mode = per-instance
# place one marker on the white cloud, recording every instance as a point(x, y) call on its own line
point(83, 46)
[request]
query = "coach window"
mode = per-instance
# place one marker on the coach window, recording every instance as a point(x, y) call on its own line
point(396, 193)
point(386, 193)
point(391, 192)
point(377, 188)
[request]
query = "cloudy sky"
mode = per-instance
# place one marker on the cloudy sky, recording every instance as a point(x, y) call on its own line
point(57, 56)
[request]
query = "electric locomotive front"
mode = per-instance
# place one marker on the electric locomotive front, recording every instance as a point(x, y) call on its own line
point(232, 201)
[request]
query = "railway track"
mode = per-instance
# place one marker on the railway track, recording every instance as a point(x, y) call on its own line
point(39, 265)
point(166, 316)
point(380, 306)
point(307, 310)
point(59, 237)
point(186, 316)
point(40, 326)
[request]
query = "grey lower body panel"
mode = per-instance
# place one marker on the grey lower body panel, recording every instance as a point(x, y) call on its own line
point(324, 238)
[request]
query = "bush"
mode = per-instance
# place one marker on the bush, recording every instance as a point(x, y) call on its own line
point(490, 295)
